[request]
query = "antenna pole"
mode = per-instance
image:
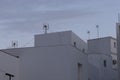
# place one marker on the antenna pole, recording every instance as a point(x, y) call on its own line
point(45, 27)
point(118, 17)
point(14, 44)
point(88, 35)
point(97, 26)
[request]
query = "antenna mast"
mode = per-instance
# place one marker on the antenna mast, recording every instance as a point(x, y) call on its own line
point(97, 27)
point(118, 17)
point(14, 44)
point(46, 28)
point(88, 35)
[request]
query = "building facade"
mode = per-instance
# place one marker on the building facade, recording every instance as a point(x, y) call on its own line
point(9, 67)
point(56, 56)
point(118, 46)
point(102, 54)
point(61, 56)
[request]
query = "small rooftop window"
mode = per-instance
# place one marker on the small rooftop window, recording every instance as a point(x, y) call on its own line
point(105, 63)
point(83, 50)
point(115, 45)
point(114, 62)
point(74, 44)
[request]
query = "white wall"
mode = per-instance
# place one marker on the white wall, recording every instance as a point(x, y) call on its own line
point(118, 46)
point(54, 57)
point(93, 72)
point(100, 45)
point(52, 63)
point(54, 39)
point(60, 38)
point(97, 60)
point(103, 49)
point(80, 44)
point(8, 64)
point(113, 46)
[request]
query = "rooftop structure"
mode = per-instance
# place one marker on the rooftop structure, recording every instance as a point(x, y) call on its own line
point(55, 56)
point(118, 45)
point(62, 56)
point(102, 53)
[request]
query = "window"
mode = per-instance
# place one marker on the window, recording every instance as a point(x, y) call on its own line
point(105, 63)
point(79, 71)
point(88, 78)
point(114, 62)
point(74, 44)
point(83, 50)
point(115, 45)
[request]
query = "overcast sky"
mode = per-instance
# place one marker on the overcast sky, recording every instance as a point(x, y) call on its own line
point(22, 19)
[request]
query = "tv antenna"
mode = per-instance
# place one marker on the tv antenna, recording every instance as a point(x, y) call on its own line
point(97, 27)
point(46, 28)
point(14, 44)
point(88, 32)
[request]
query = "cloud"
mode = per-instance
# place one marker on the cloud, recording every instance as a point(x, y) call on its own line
point(16, 9)
point(34, 20)
point(24, 15)
point(20, 18)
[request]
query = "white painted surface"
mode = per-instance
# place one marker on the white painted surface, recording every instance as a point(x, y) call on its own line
point(114, 46)
point(60, 38)
point(8, 64)
point(99, 50)
point(97, 60)
point(54, 57)
point(118, 46)
point(52, 63)
point(93, 72)
point(100, 45)
point(80, 44)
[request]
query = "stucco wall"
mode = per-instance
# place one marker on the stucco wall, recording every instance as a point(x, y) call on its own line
point(118, 46)
point(97, 60)
point(101, 46)
point(52, 63)
point(54, 57)
point(8, 64)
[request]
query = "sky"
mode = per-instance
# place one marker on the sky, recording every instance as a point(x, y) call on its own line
point(20, 20)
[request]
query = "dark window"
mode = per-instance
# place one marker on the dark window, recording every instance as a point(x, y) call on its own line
point(88, 78)
point(105, 63)
point(115, 45)
point(114, 62)
point(74, 44)
point(79, 71)
point(83, 50)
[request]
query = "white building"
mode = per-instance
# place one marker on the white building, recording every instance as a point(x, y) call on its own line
point(61, 56)
point(118, 46)
point(9, 65)
point(102, 54)
point(56, 56)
